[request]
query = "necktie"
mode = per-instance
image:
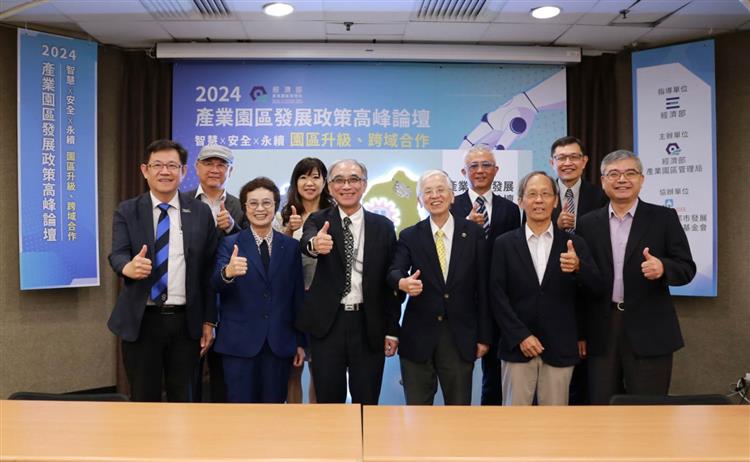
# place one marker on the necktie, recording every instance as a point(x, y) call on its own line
point(348, 254)
point(440, 247)
point(481, 208)
point(570, 205)
point(265, 255)
point(161, 252)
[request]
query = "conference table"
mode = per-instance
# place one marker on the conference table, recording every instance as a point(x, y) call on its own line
point(134, 432)
point(576, 433)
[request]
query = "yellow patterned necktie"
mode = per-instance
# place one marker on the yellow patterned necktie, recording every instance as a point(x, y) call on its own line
point(440, 246)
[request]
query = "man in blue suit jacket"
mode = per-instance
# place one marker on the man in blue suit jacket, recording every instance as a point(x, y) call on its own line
point(258, 276)
point(538, 272)
point(446, 324)
point(496, 215)
point(166, 311)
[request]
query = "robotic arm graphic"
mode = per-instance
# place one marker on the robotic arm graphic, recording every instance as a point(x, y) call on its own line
point(512, 120)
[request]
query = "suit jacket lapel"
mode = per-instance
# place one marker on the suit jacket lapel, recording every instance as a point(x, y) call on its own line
point(637, 230)
point(602, 217)
point(146, 213)
point(277, 254)
point(247, 246)
point(187, 222)
point(559, 245)
point(428, 245)
point(522, 249)
point(458, 247)
point(336, 231)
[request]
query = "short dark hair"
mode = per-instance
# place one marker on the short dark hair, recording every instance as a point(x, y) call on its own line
point(564, 141)
point(260, 182)
point(166, 145)
point(305, 166)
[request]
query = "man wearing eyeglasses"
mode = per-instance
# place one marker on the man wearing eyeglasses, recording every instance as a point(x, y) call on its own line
point(577, 196)
point(163, 245)
point(496, 215)
point(641, 249)
point(213, 168)
point(351, 314)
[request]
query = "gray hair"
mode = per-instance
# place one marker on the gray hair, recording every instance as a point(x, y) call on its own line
point(480, 148)
point(620, 154)
point(431, 173)
point(347, 161)
point(525, 181)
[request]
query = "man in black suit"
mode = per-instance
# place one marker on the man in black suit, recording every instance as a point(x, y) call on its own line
point(537, 274)
point(213, 168)
point(351, 314)
point(577, 198)
point(163, 245)
point(641, 249)
point(446, 324)
point(496, 215)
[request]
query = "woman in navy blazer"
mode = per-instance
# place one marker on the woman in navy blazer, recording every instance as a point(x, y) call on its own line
point(258, 276)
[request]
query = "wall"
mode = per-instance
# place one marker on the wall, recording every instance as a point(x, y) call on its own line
point(716, 330)
point(56, 340)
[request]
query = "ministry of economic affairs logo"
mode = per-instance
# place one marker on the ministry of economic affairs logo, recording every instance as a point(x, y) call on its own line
point(258, 93)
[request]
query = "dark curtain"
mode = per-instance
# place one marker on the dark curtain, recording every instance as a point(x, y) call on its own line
point(593, 108)
point(146, 115)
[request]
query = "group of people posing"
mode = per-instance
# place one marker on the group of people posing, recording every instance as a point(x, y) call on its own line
point(565, 301)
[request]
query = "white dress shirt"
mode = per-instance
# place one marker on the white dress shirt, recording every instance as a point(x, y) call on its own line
point(448, 229)
point(539, 247)
point(358, 231)
point(176, 266)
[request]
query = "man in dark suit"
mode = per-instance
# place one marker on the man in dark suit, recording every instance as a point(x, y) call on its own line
point(577, 198)
point(213, 168)
point(641, 249)
point(496, 215)
point(163, 245)
point(446, 324)
point(351, 314)
point(537, 274)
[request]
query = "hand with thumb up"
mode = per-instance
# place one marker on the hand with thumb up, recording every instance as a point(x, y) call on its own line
point(237, 265)
point(323, 242)
point(411, 285)
point(652, 268)
point(224, 220)
point(139, 267)
point(295, 221)
point(569, 261)
point(476, 217)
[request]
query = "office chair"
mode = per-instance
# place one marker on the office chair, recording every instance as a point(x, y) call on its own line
point(625, 400)
point(34, 396)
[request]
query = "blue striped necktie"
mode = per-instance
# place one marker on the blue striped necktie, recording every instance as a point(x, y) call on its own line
point(482, 208)
point(161, 252)
point(570, 206)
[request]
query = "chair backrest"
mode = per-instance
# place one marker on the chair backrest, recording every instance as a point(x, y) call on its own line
point(668, 399)
point(35, 396)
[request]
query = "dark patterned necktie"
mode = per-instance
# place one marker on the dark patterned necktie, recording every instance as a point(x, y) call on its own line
point(570, 206)
point(161, 257)
point(481, 208)
point(348, 254)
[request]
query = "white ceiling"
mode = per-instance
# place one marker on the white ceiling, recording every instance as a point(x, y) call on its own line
point(590, 24)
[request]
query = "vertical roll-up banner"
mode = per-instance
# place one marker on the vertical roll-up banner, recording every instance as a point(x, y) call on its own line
point(57, 188)
point(674, 100)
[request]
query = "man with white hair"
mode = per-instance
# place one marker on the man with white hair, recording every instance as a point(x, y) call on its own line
point(496, 215)
point(441, 263)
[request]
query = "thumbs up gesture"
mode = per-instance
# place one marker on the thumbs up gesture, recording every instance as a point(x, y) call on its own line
point(477, 218)
point(323, 243)
point(295, 221)
point(569, 261)
point(237, 265)
point(139, 267)
point(411, 285)
point(224, 219)
point(652, 268)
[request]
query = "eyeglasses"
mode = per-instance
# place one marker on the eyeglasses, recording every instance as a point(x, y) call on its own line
point(614, 175)
point(218, 165)
point(567, 157)
point(435, 192)
point(486, 165)
point(158, 166)
point(533, 195)
point(341, 181)
point(255, 205)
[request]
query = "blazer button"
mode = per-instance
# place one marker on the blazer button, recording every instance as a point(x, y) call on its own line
point(265, 294)
point(446, 296)
point(440, 318)
point(265, 316)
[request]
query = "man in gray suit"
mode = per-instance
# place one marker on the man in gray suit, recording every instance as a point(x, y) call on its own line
point(213, 168)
